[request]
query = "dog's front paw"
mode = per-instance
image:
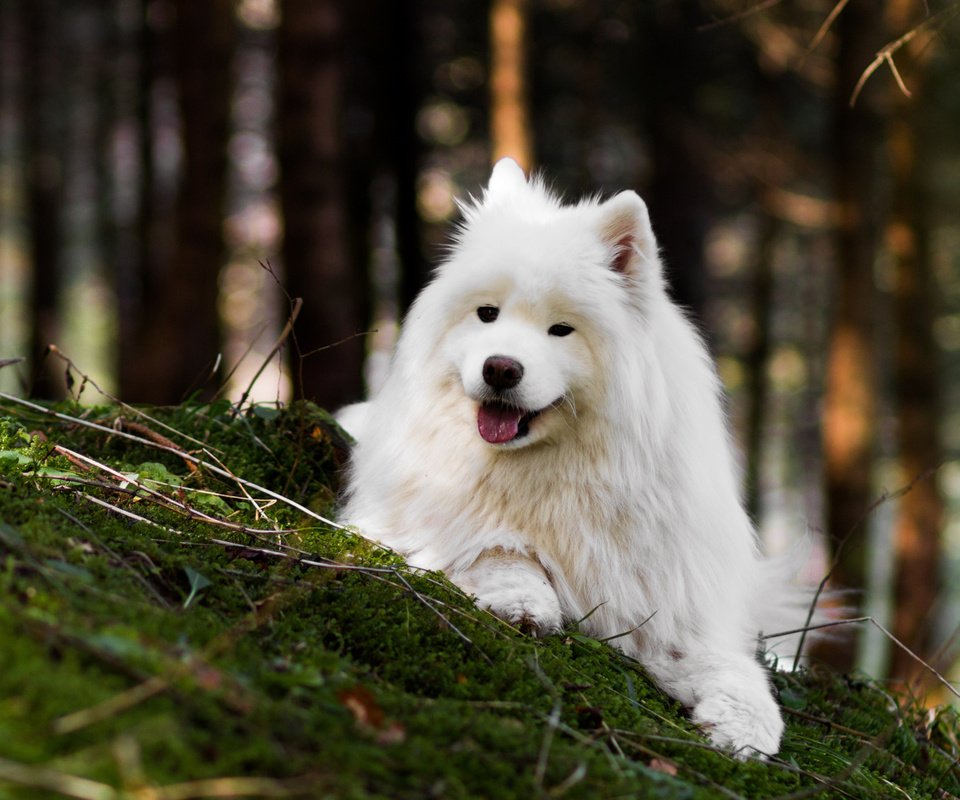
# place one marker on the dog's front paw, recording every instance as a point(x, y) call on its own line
point(533, 610)
point(743, 718)
point(517, 591)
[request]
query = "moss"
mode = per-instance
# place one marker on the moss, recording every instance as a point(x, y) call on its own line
point(314, 662)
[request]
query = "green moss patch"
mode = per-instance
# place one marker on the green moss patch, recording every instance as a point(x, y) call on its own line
point(179, 619)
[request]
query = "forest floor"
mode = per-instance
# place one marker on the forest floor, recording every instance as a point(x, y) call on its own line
point(179, 620)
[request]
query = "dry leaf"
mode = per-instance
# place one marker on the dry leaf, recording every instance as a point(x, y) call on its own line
point(363, 705)
point(664, 766)
point(368, 714)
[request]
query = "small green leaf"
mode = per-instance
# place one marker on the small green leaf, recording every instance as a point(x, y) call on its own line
point(157, 472)
point(15, 455)
point(219, 407)
point(266, 412)
point(586, 640)
point(210, 503)
point(198, 583)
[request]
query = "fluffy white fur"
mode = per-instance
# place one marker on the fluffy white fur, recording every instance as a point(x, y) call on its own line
point(619, 500)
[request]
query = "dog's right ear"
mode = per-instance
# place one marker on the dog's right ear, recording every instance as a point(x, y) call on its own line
point(506, 179)
point(625, 229)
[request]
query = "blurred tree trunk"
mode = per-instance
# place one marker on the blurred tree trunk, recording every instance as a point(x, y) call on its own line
point(757, 357)
point(398, 107)
point(316, 253)
point(681, 194)
point(137, 275)
point(916, 378)
point(510, 129)
point(850, 405)
point(42, 103)
point(108, 98)
point(181, 334)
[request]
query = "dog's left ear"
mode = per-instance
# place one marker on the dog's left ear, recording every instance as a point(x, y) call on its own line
point(625, 228)
point(507, 178)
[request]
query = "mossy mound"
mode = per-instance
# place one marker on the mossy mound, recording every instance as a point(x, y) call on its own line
point(177, 621)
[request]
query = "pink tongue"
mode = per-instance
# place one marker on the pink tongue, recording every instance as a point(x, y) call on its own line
point(498, 423)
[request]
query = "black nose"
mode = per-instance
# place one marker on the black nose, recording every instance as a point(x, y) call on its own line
point(500, 372)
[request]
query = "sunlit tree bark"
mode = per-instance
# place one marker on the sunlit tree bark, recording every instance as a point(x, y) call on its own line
point(916, 376)
point(850, 403)
point(509, 109)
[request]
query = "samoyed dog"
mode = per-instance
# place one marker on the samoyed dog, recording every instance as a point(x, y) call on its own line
point(551, 436)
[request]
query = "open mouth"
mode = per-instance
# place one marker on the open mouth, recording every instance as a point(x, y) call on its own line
point(500, 423)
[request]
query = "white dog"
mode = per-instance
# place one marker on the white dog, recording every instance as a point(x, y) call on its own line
point(551, 436)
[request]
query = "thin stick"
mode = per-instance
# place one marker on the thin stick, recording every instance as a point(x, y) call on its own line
point(116, 400)
point(112, 706)
point(883, 498)
point(337, 343)
point(740, 15)
point(277, 346)
point(52, 780)
point(179, 453)
point(885, 54)
point(177, 504)
point(258, 512)
point(825, 27)
point(632, 630)
point(238, 787)
point(129, 514)
point(243, 357)
point(183, 508)
point(426, 602)
point(151, 434)
point(887, 633)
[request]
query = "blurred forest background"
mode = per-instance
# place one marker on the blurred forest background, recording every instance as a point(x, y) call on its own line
point(179, 180)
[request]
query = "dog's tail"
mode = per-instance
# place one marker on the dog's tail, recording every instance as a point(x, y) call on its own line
point(792, 613)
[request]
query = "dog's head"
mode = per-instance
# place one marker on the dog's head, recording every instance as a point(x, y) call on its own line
point(536, 294)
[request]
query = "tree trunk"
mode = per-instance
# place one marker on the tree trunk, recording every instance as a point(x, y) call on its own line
point(917, 543)
point(137, 276)
point(757, 357)
point(681, 195)
point(42, 111)
point(181, 336)
point(397, 111)
point(849, 405)
point(329, 332)
point(385, 86)
point(510, 130)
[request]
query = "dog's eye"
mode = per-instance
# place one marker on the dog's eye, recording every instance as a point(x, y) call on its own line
point(488, 313)
point(560, 329)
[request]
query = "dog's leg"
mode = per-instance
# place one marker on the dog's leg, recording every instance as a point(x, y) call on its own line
point(729, 696)
point(515, 587)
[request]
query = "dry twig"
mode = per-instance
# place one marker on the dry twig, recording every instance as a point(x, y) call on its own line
point(886, 53)
point(883, 498)
point(856, 620)
point(198, 461)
